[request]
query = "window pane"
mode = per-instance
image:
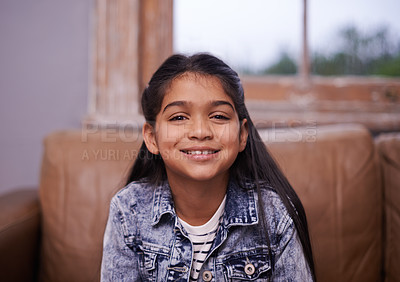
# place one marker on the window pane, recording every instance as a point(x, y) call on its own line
point(243, 33)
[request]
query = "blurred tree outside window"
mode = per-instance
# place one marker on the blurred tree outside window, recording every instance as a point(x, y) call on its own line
point(375, 52)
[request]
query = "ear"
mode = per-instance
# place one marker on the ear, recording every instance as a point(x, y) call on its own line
point(149, 138)
point(243, 135)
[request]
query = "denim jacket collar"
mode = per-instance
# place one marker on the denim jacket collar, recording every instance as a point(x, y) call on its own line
point(240, 207)
point(163, 202)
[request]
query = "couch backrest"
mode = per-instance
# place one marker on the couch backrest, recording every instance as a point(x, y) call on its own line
point(388, 146)
point(333, 169)
point(81, 170)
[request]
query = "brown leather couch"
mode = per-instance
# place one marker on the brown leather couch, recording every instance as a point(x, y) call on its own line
point(348, 182)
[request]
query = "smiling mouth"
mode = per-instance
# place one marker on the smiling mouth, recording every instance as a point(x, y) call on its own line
point(200, 152)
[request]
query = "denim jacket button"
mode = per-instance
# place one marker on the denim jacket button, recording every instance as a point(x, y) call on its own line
point(207, 275)
point(249, 269)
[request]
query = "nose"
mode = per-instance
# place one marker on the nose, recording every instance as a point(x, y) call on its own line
point(200, 129)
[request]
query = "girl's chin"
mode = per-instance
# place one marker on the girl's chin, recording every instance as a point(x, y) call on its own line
point(199, 176)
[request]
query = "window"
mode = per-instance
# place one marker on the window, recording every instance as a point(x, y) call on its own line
point(265, 37)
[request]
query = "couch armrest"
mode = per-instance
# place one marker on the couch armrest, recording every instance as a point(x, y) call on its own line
point(19, 235)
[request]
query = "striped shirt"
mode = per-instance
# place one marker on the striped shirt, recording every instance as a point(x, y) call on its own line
point(202, 238)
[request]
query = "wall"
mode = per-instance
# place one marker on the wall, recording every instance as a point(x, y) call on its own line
point(44, 75)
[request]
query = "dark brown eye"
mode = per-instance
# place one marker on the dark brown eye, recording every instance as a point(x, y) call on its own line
point(177, 118)
point(220, 117)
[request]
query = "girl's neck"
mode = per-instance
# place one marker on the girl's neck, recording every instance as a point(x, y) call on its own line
point(197, 201)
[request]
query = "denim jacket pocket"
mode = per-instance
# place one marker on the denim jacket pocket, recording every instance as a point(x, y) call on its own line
point(149, 260)
point(152, 259)
point(247, 266)
point(147, 265)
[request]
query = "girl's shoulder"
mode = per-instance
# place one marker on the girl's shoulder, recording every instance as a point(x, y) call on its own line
point(271, 202)
point(134, 192)
point(264, 186)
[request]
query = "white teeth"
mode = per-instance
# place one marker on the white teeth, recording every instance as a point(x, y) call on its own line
point(199, 152)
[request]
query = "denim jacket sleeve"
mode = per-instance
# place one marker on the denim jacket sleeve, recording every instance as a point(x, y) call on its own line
point(290, 262)
point(119, 262)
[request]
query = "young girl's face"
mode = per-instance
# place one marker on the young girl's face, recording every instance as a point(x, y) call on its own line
point(197, 131)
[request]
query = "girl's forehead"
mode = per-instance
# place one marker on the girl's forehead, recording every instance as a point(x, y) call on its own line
point(204, 80)
point(194, 86)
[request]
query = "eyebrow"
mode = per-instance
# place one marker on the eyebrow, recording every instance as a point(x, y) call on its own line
point(222, 102)
point(184, 103)
point(175, 103)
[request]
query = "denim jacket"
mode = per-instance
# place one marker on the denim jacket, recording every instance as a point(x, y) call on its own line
point(144, 240)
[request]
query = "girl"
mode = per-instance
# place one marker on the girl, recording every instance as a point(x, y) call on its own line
point(205, 201)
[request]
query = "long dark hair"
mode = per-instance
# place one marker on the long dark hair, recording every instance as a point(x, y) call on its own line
point(254, 162)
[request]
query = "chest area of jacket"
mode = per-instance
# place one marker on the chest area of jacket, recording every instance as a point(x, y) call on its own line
point(235, 259)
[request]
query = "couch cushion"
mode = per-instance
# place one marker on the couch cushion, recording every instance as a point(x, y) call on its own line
point(81, 170)
point(389, 150)
point(334, 170)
